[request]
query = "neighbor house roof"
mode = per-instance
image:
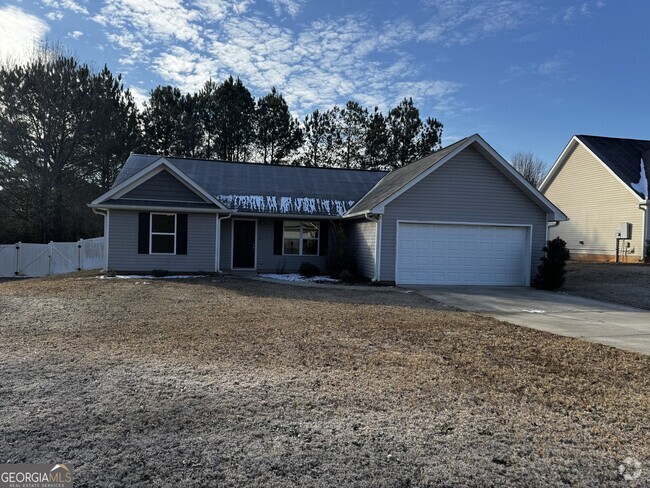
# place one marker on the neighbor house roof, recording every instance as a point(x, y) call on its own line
point(265, 188)
point(623, 157)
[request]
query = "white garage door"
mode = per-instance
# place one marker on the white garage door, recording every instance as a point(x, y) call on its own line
point(446, 254)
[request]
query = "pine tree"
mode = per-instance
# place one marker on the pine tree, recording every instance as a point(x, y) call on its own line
point(317, 128)
point(162, 122)
point(207, 112)
point(64, 134)
point(376, 142)
point(234, 120)
point(278, 132)
point(352, 125)
point(115, 131)
point(404, 125)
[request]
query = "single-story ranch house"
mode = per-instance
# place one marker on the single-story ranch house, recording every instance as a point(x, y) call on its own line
point(461, 215)
point(601, 183)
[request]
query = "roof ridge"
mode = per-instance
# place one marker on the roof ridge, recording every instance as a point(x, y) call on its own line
point(254, 163)
point(614, 138)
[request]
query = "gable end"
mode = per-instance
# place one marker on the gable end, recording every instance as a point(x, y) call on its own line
point(163, 187)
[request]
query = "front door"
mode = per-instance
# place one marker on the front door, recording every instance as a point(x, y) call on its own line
point(243, 244)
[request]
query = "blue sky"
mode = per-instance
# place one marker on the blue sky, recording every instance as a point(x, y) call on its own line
point(525, 74)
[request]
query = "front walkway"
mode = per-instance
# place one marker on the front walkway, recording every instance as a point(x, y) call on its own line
point(606, 323)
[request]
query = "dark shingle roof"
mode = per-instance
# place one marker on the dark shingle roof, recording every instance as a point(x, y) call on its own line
point(159, 203)
point(622, 156)
point(395, 180)
point(266, 188)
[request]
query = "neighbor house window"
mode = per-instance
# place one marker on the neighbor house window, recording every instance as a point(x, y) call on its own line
point(163, 233)
point(301, 238)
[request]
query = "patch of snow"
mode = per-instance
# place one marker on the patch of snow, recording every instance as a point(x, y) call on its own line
point(533, 311)
point(150, 277)
point(297, 278)
point(285, 205)
point(642, 185)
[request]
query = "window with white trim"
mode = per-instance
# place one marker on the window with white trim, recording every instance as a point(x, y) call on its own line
point(300, 238)
point(162, 234)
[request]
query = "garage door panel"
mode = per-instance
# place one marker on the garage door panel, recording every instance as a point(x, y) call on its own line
point(461, 254)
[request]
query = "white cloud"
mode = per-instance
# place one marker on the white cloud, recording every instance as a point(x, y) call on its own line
point(315, 65)
point(75, 34)
point(292, 7)
point(71, 5)
point(21, 33)
point(54, 15)
point(578, 10)
point(465, 21)
point(214, 10)
point(152, 21)
point(185, 69)
point(140, 96)
point(552, 68)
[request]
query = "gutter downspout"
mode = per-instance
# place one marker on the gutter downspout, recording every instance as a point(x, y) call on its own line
point(105, 214)
point(549, 226)
point(217, 257)
point(376, 218)
point(644, 245)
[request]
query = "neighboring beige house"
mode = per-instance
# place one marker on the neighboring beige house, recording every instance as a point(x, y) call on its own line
point(601, 184)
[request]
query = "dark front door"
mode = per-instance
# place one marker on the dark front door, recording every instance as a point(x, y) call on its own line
point(243, 242)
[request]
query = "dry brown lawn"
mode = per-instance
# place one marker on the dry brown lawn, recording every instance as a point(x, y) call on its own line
point(228, 382)
point(627, 284)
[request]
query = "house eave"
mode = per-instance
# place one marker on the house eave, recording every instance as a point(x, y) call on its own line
point(287, 215)
point(159, 208)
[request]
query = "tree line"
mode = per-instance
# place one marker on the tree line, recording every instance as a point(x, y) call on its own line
point(224, 121)
point(66, 130)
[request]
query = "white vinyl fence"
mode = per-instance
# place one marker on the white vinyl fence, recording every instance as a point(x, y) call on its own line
point(23, 259)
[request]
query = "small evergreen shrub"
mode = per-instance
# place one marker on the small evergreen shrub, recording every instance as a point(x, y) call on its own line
point(550, 273)
point(308, 270)
point(341, 256)
point(346, 276)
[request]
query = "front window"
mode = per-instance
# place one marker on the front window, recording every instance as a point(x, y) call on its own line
point(163, 234)
point(301, 238)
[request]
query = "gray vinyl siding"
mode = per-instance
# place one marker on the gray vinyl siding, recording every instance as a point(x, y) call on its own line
point(362, 235)
point(596, 203)
point(123, 245)
point(164, 187)
point(467, 188)
point(267, 262)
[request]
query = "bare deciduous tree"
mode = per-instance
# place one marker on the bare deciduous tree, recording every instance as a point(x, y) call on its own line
point(530, 166)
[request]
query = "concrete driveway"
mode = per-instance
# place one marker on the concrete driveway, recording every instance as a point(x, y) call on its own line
point(567, 315)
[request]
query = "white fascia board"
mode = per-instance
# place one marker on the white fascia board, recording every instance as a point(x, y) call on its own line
point(153, 208)
point(556, 166)
point(149, 172)
point(284, 216)
point(357, 214)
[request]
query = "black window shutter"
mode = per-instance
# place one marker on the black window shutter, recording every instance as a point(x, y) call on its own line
point(324, 237)
point(181, 234)
point(277, 238)
point(143, 233)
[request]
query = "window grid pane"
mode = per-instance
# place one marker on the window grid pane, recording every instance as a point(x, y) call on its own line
point(300, 238)
point(162, 244)
point(164, 224)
